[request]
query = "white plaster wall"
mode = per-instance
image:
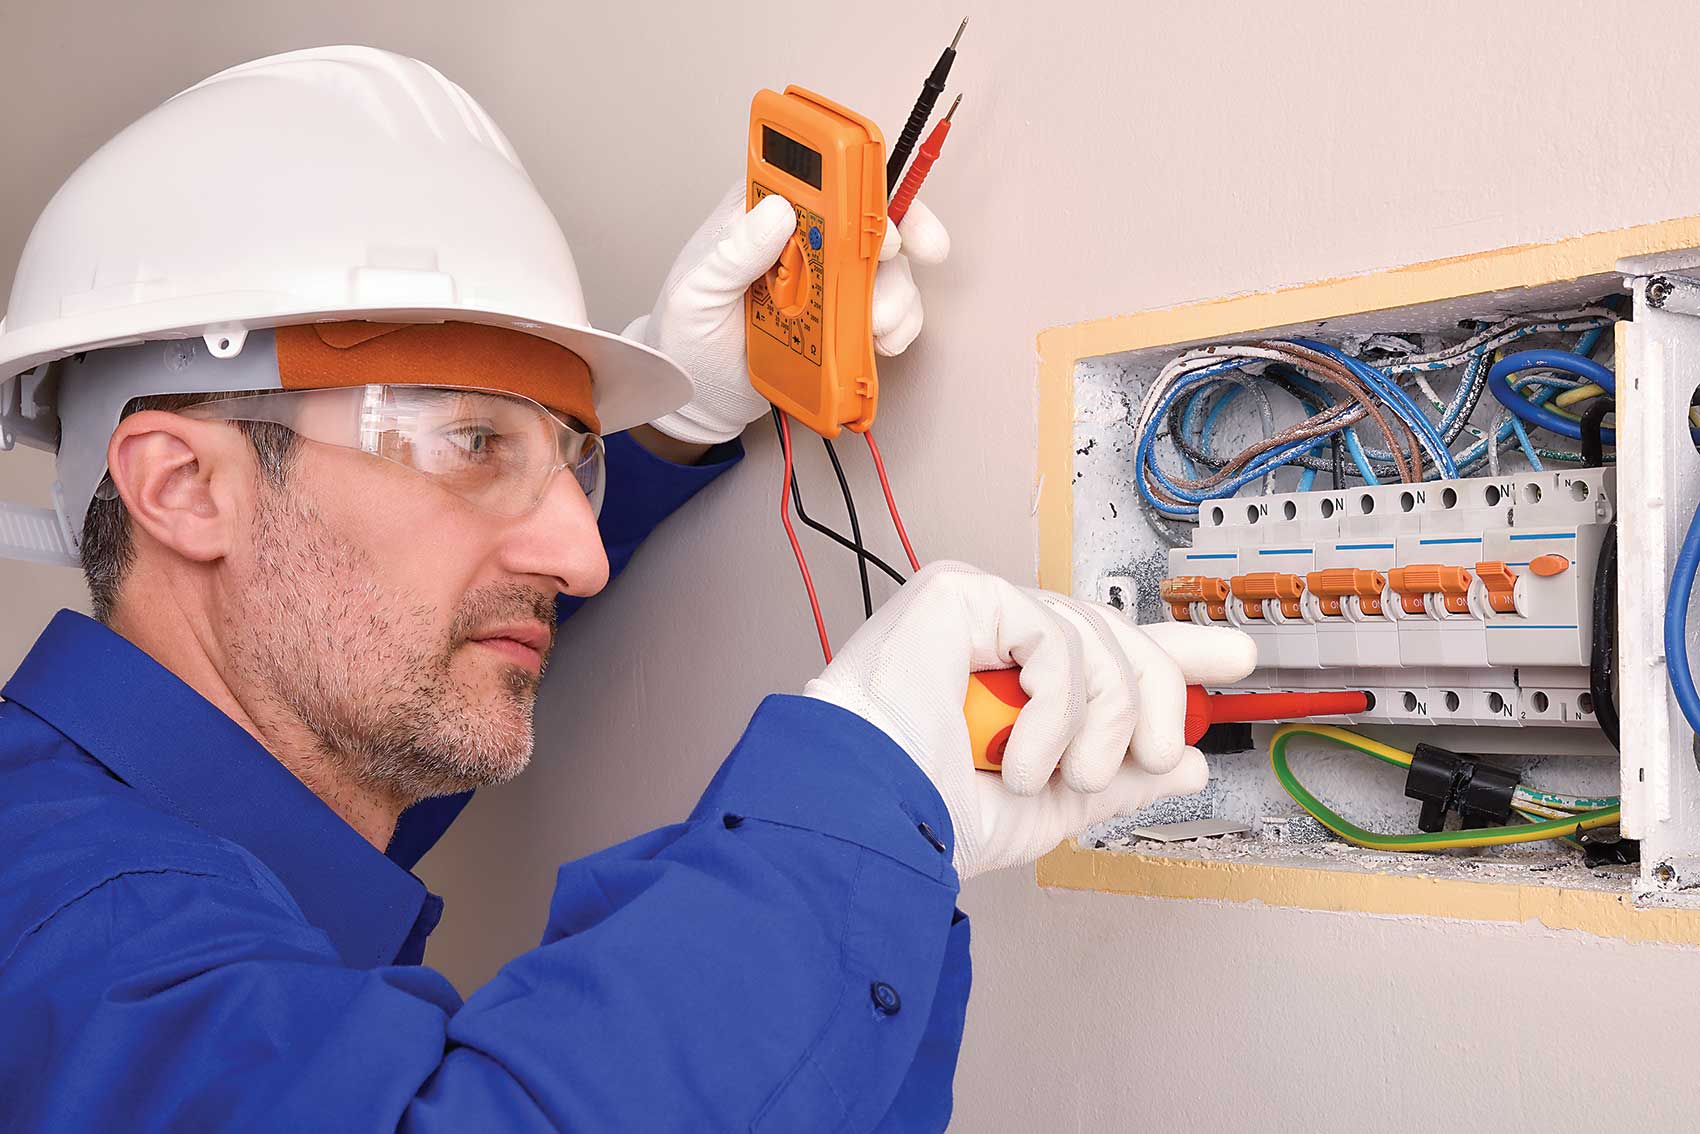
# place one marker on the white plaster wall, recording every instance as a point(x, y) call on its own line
point(1108, 157)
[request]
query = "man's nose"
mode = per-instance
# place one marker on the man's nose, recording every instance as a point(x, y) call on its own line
point(559, 539)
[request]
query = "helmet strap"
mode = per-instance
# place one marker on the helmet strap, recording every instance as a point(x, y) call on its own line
point(37, 535)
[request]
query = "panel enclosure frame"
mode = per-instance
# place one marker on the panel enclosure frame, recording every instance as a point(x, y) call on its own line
point(1660, 470)
point(1658, 467)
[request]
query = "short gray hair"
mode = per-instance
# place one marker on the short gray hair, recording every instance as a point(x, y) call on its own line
point(108, 550)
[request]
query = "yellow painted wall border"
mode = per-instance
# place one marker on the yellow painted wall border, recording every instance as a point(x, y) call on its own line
point(1600, 912)
point(1061, 348)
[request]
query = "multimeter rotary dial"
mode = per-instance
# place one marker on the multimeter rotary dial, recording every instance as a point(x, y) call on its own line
point(788, 282)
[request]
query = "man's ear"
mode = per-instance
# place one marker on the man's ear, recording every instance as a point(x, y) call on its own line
point(184, 482)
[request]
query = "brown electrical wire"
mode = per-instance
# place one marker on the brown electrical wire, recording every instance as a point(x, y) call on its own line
point(1319, 425)
point(1407, 458)
point(1360, 403)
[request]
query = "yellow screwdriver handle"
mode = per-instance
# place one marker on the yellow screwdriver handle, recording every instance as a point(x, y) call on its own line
point(994, 700)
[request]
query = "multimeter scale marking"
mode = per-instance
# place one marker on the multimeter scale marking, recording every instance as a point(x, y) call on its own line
point(803, 333)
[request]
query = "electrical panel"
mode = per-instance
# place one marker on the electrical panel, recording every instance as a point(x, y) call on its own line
point(1452, 602)
point(1465, 604)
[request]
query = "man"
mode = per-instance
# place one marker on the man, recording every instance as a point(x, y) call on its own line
point(333, 437)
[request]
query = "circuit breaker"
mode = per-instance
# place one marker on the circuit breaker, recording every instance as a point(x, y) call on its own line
point(1457, 602)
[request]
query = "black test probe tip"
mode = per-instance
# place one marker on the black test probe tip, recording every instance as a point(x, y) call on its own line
point(918, 115)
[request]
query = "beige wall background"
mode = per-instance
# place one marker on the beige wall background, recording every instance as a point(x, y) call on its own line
point(1107, 158)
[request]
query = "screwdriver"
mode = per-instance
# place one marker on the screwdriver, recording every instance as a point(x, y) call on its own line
point(924, 159)
point(995, 698)
point(921, 111)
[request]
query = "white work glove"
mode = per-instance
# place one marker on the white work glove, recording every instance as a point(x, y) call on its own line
point(1103, 690)
point(698, 320)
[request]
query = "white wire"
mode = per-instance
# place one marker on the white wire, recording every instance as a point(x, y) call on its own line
point(1412, 368)
point(1443, 358)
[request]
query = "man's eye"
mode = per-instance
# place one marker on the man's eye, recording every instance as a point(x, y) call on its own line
point(473, 440)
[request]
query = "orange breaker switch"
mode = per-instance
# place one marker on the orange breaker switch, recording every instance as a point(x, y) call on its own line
point(1182, 591)
point(1333, 584)
point(1412, 583)
point(1254, 588)
point(1546, 566)
point(1501, 584)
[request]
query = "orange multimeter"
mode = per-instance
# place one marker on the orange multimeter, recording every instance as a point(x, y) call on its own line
point(809, 321)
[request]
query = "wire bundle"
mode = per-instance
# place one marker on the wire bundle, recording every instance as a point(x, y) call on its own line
point(1389, 391)
point(1549, 815)
point(1341, 393)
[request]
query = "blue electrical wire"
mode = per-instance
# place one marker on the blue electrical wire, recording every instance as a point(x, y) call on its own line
point(1545, 394)
point(1676, 625)
point(1400, 402)
point(1317, 402)
point(1198, 386)
point(1144, 458)
point(1534, 413)
point(1477, 452)
point(1391, 392)
point(1528, 448)
point(1222, 403)
point(1354, 448)
point(1477, 361)
point(1307, 478)
point(1198, 398)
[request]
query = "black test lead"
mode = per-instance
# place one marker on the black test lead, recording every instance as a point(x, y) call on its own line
point(930, 150)
point(923, 110)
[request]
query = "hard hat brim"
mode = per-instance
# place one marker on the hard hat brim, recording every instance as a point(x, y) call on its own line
point(631, 383)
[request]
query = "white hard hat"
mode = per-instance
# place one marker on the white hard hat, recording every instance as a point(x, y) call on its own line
point(334, 183)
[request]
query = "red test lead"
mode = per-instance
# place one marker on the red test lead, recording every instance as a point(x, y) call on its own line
point(921, 111)
point(924, 159)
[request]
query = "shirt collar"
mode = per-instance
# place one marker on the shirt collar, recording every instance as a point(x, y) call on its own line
point(155, 733)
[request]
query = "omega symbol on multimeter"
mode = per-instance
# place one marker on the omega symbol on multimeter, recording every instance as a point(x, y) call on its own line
point(795, 316)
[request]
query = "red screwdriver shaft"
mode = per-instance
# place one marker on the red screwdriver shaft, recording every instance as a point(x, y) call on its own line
point(995, 698)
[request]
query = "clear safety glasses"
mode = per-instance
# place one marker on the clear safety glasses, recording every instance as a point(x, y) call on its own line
point(495, 450)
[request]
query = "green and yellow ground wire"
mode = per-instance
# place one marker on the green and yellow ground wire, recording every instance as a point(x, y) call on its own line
point(1532, 804)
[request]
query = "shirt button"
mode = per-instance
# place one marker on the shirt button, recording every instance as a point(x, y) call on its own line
point(886, 1000)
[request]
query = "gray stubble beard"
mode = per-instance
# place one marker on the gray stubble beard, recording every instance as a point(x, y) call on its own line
point(355, 668)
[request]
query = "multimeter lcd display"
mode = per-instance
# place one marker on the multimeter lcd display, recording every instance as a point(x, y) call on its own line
point(790, 155)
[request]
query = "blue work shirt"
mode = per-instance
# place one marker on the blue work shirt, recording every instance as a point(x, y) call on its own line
point(191, 940)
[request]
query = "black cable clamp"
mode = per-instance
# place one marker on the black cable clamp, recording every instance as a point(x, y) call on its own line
point(1446, 781)
point(1617, 852)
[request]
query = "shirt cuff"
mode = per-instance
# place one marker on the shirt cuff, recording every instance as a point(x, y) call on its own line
point(809, 764)
point(644, 489)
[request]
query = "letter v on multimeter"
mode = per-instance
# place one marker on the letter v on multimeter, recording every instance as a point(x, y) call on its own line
point(809, 321)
